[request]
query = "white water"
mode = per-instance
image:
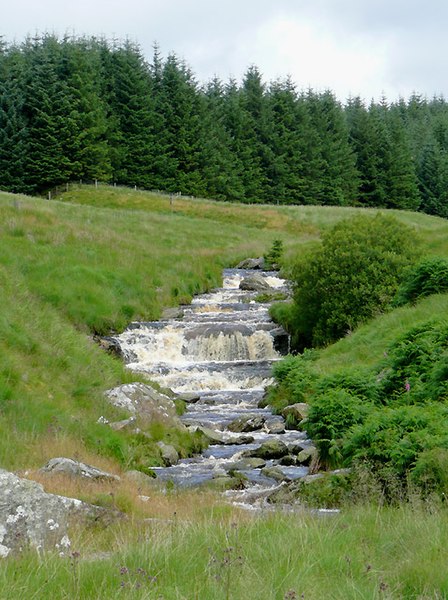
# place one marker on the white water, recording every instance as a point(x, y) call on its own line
point(223, 349)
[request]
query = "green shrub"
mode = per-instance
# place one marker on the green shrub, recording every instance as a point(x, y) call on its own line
point(397, 436)
point(360, 382)
point(430, 473)
point(429, 277)
point(352, 277)
point(331, 415)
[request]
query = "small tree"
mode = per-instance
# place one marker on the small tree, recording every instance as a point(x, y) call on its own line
point(272, 258)
point(351, 277)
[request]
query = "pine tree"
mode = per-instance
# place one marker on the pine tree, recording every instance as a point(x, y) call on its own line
point(336, 174)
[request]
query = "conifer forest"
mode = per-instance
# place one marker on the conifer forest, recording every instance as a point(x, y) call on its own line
point(88, 109)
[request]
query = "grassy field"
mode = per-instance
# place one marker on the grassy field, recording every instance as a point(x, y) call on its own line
point(213, 552)
point(96, 259)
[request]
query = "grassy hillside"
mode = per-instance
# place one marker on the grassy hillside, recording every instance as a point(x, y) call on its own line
point(100, 258)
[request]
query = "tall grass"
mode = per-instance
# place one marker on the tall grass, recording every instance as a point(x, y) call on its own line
point(365, 553)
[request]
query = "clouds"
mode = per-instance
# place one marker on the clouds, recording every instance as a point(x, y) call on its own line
point(352, 47)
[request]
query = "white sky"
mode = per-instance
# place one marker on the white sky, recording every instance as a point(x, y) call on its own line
point(366, 47)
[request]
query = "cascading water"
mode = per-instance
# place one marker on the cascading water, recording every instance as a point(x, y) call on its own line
point(222, 350)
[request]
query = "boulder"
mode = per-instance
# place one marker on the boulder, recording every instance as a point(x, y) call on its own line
point(273, 448)
point(255, 283)
point(274, 473)
point(141, 400)
point(246, 423)
point(308, 455)
point(299, 411)
point(169, 454)
point(251, 263)
point(275, 425)
point(74, 468)
point(31, 517)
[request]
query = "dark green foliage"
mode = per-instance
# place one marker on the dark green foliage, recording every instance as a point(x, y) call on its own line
point(390, 423)
point(350, 278)
point(273, 257)
point(90, 109)
point(331, 415)
point(429, 277)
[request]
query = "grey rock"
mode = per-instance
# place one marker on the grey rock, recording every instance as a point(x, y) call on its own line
point(308, 455)
point(247, 464)
point(189, 398)
point(246, 423)
point(143, 401)
point(273, 448)
point(125, 424)
point(251, 263)
point(218, 437)
point(255, 283)
point(74, 468)
point(169, 454)
point(31, 517)
point(274, 473)
point(140, 479)
point(275, 426)
point(299, 411)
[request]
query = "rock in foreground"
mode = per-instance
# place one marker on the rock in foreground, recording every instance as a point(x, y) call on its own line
point(29, 517)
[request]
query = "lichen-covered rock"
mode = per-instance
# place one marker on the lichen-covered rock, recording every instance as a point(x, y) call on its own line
point(74, 468)
point(31, 517)
point(145, 402)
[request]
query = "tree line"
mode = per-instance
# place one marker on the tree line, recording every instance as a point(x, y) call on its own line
point(89, 108)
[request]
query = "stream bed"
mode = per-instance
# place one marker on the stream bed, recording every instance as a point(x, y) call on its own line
point(219, 355)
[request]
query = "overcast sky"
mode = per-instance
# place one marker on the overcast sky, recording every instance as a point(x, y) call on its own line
point(365, 47)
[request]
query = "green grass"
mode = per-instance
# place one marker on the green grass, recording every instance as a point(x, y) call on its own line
point(103, 257)
point(366, 346)
point(365, 553)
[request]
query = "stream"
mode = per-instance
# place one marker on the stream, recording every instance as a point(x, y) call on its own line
point(219, 355)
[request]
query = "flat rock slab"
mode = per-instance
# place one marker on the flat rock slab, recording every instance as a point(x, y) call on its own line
point(29, 517)
point(74, 468)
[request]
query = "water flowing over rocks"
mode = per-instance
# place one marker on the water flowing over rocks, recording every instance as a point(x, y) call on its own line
point(29, 517)
point(218, 357)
